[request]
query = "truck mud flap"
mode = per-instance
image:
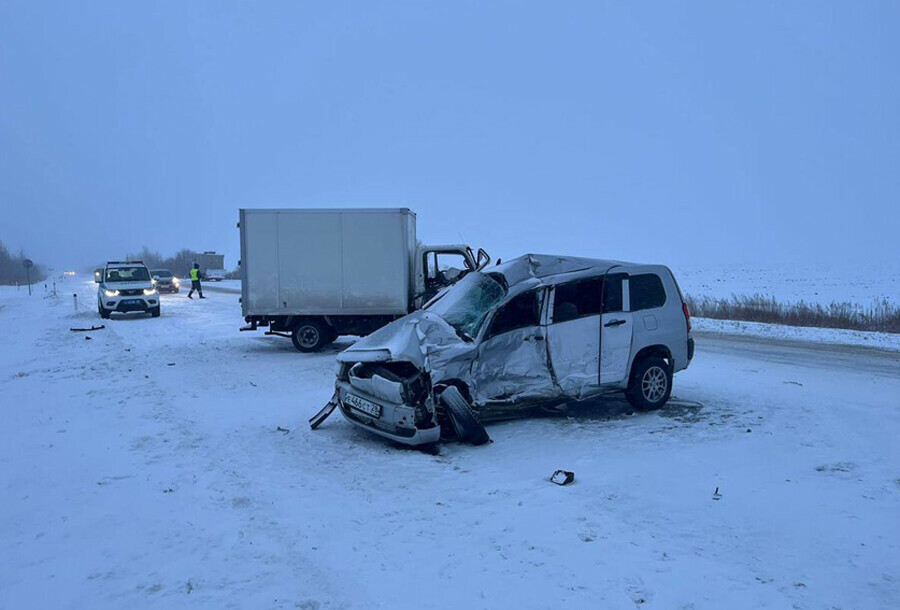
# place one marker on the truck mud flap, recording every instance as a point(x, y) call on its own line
point(317, 419)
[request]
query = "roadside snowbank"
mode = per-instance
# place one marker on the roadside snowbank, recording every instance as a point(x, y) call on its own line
point(831, 336)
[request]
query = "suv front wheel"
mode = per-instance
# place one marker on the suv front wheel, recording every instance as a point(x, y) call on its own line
point(650, 385)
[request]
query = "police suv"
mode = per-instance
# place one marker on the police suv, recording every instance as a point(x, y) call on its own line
point(126, 286)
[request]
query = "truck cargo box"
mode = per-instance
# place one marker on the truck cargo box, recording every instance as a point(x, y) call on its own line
point(327, 262)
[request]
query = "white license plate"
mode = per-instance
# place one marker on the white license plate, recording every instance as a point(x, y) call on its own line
point(361, 404)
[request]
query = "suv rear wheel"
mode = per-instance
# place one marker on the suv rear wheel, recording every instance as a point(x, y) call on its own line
point(650, 385)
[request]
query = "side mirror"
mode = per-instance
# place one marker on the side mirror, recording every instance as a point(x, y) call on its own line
point(483, 259)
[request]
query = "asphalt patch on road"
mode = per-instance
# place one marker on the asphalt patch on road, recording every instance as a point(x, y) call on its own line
point(615, 408)
point(684, 411)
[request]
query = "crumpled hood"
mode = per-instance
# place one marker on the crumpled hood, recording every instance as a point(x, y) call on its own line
point(417, 338)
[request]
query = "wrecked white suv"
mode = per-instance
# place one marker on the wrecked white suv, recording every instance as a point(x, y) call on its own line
point(533, 333)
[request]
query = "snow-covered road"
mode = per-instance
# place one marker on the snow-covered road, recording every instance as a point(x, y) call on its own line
point(167, 463)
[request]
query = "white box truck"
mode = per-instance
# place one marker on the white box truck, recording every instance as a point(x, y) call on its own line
point(314, 274)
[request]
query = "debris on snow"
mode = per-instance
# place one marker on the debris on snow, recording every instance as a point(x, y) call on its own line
point(78, 330)
point(562, 477)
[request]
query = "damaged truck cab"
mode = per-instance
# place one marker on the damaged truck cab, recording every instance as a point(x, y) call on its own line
point(530, 334)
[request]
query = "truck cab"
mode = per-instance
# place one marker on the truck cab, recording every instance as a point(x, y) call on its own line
point(443, 266)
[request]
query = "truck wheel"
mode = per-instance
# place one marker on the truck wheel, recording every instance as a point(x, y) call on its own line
point(155, 311)
point(463, 417)
point(650, 385)
point(104, 313)
point(310, 336)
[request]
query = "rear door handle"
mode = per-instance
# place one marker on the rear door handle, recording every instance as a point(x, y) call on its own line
point(535, 337)
point(614, 323)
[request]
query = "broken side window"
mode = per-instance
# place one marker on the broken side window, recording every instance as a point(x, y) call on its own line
point(522, 311)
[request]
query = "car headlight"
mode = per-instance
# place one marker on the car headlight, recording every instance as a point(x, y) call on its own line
point(149, 291)
point(111, 293)
point(175, 281)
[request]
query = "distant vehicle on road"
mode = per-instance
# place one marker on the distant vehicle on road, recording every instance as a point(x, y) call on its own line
point(314, 274)
point(215, 275)
point(212, 266)
point(530, 334)
point(166, 281)
point(125, 287)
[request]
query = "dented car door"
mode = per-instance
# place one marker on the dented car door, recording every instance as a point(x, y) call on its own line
point(616, 331)
point(512, 362)
point(573, 336)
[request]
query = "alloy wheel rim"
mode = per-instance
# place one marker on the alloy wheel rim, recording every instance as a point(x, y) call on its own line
point(654, 384)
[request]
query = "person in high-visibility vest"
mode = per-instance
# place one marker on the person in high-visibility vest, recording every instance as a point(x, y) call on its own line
point(195, 282)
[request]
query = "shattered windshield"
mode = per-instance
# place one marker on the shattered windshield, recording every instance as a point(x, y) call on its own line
point(465, 305)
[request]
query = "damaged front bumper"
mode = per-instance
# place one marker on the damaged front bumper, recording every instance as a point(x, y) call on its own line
point(395, 421)
point(390, 399)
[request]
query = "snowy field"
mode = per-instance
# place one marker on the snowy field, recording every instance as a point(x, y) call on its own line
point(822, 284)
point(790, 283)
point(167, 463)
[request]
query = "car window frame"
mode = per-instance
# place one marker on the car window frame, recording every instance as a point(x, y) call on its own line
point(435, 255)
point(540, 292)
point(662, 286)
point(603, 279)
point(594, 278)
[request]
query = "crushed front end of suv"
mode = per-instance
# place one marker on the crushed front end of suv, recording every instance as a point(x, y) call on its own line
point(126, 287)
point(527, 335)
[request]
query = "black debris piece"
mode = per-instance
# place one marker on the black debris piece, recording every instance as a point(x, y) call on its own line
point(563, 477)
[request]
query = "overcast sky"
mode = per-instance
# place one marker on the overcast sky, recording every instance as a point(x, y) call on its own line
point(669, 132)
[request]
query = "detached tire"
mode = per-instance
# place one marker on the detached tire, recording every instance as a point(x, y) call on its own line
point(650, 385)
point(463, 417)
point(310, 336)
